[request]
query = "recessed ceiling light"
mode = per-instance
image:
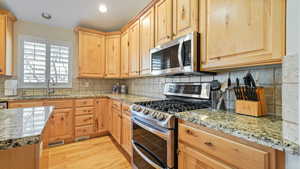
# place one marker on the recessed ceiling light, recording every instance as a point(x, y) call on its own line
point(46, 15)
point(102, 8)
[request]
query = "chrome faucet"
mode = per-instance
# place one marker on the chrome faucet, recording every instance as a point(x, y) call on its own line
point(50, 90)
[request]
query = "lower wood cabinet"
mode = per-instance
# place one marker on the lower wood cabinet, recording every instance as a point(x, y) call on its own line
point(116, 122)
point(60, 125)
point(84, 117)
point(126, 129)
point(203, 149)
point(101, 115)
point(25, 103)
point(190, 158)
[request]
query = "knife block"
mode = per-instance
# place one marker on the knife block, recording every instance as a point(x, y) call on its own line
point(253, 108)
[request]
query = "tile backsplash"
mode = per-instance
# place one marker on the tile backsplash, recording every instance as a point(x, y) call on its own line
point(270, 77)
point(267, 76)
point(80, 86)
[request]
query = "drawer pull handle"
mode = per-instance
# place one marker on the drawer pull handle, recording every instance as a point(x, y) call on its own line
point(87, 119)
point(209, 144)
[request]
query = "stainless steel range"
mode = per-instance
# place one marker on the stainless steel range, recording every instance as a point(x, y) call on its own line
point(154, 125)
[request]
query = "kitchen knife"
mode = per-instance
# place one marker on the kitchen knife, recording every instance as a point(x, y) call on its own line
point(253, 86)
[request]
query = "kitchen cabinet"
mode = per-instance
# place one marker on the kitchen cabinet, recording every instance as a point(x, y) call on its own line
point(202, 148)
point(84, 117)
point(124, 55)
point(163, 21)
point(6, 42)
point(241, 33)
point(25, 103)
point(113, 57)
point(116, 120)
point(60, 125)
point(146, 40)
point(91, 54)
point(101, 115)
point(189, 158)
point(134, 49)
point(185, 17)
point(126, 129)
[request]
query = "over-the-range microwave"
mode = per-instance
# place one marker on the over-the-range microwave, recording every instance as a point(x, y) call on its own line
point(177, 57)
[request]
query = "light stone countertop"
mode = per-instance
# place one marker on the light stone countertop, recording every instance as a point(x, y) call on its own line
point(267, 131)
point(22, 126)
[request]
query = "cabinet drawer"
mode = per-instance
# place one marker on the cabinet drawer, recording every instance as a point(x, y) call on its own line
point(116, 105)
point(83, 120)
point(24, 104)
point(234, 153)
point(60, 104)
point(84, 110)
point(84, 102)
point(83, 130)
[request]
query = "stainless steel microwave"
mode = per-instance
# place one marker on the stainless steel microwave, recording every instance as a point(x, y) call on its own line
point(179, 56)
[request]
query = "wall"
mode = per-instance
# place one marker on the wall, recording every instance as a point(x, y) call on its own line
point(267, 76)
point(80, 86)
point(291, 81)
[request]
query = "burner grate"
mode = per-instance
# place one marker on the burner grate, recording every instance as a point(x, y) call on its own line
point(173, 106)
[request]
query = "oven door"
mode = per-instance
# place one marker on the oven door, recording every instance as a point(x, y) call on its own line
point(153, 147)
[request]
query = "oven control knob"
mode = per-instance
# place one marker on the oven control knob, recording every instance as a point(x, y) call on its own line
point(154, 114)
point(146, 112)
point(161, 117)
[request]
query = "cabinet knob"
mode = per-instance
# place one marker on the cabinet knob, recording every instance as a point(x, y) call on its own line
point(208, 144)
point(1, 70)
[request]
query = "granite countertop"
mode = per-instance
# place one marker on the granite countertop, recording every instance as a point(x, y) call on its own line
point(23, 126)
point(267, 131)
point(122, 97)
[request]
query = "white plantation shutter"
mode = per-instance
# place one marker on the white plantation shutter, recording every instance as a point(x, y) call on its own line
point(59, 64)
point(34, 62)
point(42, 61)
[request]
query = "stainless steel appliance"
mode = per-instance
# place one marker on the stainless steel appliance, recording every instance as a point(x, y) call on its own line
point(154, 125)
point(180, 56)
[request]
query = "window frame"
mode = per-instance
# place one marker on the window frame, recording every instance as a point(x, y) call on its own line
point(48, 43)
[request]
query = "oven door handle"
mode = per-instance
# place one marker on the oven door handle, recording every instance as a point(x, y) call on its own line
point(151, 130)
point(180, 54)
point(134, 145)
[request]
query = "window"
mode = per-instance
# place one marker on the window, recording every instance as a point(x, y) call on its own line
point(44, 61)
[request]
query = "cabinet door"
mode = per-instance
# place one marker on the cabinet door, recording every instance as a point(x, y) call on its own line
point(61, 125)
point(190, 158)
point(185, 17)
point(101, 113)
point(113, 57)
point(134, 49)
point(2, 43)
point(124, 55)
point(241, 33)
point(126, 134)
point(91, 55)
point(146, 40)
point(116, 127)
point(163, 21)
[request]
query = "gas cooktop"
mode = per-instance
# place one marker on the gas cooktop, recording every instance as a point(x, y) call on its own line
point(174, 106)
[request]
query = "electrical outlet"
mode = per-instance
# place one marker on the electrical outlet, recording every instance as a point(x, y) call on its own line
point(86, 84)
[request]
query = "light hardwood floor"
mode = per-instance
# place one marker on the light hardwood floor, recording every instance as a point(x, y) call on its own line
point(98, 153)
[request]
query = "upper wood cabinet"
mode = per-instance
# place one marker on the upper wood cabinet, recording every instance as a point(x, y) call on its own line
point(113, 58)
point(134, 49)
point(124, 55)
point(6, 42)
point(163, 21)
point(91, 54)
point(241, 33)
point(185, 17)
point(146, 40)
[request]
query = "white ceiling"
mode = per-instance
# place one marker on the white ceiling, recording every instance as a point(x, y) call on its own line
point(71, 13)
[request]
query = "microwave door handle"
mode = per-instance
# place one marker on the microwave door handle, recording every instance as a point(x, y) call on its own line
point(134, 145)
point(180, 54)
